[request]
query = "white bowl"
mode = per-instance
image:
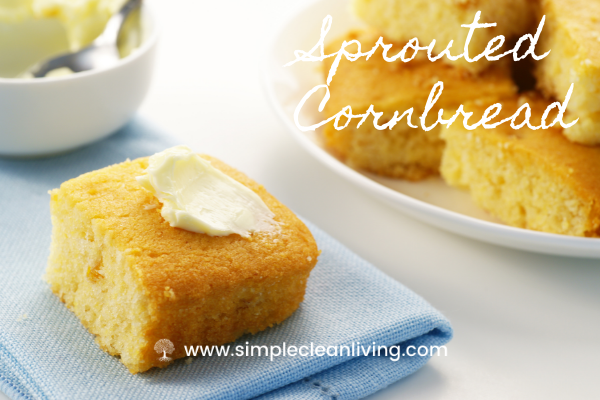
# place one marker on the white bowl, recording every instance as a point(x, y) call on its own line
point(51, 115)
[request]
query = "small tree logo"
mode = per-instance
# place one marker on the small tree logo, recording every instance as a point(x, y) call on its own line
point(164, 346)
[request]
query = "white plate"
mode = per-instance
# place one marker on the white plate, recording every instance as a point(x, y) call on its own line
point(430, 201)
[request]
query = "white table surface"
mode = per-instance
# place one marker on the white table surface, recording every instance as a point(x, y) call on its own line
point(527, 326)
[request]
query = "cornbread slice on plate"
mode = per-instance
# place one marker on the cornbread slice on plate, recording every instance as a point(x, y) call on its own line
point(533, 179)
point(133, 280)
point(441, 20)
point(402, 152)
point(572, 33)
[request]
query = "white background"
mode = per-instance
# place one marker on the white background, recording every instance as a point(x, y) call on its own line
point(526, 326)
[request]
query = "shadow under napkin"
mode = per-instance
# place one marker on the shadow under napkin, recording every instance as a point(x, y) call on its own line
point(46, 353)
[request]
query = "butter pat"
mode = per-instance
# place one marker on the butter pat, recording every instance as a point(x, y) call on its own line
point(200, 198)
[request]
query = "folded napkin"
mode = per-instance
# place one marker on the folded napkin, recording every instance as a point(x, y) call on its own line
point(45, 352)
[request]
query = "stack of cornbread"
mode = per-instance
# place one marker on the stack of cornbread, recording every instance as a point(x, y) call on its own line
point(547, 179)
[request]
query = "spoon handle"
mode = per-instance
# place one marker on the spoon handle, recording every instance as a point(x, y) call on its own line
point(115, 23)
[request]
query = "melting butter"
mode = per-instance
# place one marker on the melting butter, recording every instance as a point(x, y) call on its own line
point(200, 198)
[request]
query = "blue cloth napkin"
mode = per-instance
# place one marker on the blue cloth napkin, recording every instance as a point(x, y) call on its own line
point(45, 353)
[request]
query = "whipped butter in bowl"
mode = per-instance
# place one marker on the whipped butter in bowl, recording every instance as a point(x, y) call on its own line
point(65, 110)
point(32, 31)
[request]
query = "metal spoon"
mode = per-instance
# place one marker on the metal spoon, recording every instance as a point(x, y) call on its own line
point(103, 51)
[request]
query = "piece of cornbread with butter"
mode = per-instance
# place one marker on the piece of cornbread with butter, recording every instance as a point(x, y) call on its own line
point(134, 279)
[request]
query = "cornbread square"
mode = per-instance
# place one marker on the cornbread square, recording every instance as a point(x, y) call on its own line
point(441, 20)
point(402, 152)
point(572, 33)
point(533, 179)
point(132, 279)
